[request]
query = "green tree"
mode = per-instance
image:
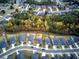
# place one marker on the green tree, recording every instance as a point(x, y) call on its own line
point(11, 7)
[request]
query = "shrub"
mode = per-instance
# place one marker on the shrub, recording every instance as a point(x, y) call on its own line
point(2, 11)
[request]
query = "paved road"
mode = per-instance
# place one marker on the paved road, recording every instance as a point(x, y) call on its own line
point(39, 50)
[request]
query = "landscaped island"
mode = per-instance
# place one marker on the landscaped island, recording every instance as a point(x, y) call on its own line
point(60, 24)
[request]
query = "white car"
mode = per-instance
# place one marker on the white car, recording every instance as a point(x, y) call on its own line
point(7, 18)
point(0, 16)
